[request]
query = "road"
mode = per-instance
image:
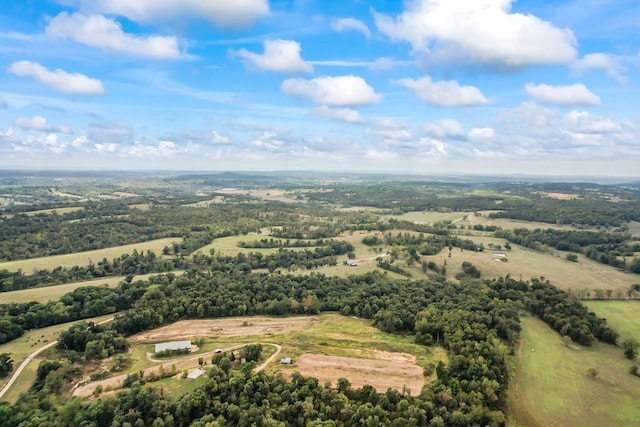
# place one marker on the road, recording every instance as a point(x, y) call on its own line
point(29, 358)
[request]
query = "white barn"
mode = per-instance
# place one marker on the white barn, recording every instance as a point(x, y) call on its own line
point(172, 346)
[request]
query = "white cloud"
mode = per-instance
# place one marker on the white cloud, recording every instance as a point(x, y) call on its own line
point(109, 147)
point(576, 94)
point(445, 93)
point(445, 128)
point(106, 34)
point(583, 122)
point(279, 55)
point(348, 115)
point(610, 64)
point(58, 79)
point(341, 91)
point(217, 138)
point(384, 63)
point(481, 133)
point(163, 149)
point(483, 31)
point(345, 24)
point(222, 13)
point(40, 124)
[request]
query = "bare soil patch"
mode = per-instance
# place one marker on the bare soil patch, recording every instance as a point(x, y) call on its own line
point(391, 370)
point(227, 327)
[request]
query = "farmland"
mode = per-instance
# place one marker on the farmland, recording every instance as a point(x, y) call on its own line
point(553, 386)
point(84, 258)
point(413, 289)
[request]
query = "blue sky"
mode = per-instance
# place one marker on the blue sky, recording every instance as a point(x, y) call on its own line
point(424, 86)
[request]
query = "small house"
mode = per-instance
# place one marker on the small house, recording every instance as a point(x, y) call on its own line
point(286, 361)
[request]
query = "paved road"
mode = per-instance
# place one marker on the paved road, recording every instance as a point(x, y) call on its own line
point(29, 358)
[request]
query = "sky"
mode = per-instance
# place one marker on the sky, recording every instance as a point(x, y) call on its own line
point(536, 87)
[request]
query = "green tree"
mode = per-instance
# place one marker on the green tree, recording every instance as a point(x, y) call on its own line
point(630, 347)
point(6, 364)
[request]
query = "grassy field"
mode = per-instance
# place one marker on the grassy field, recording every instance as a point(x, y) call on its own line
point(21, 347)
point(551, 386)
point(526, 263)
point(429, 217)
point(84, 258)
point(52, 293)
point(634, 228)
point(623, 316)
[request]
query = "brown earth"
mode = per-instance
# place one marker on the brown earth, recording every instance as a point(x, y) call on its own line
point(392, 370)
point(227, 327)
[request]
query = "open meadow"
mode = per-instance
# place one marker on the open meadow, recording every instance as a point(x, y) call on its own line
point(53, 293)
point(22, 347)
point(623, 316)
point(28, 266)
point(551, 384)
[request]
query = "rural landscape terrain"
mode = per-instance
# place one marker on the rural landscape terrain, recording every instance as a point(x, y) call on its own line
point(320, 299)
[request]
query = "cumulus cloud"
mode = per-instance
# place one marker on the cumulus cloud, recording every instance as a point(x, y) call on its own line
point(40, 124)
point(483, 31)
point(445, 93)
point(345, 24)
point(106, 34)
point(576, 94)
point(217, 138)
point(341, 91)
point(583, 122)
point(481, 133)
point(348, 115)
point(279, 55)
point(59, 79)
point(162, 149)
point(222, 13)
point(610, 64)
point(445, 128)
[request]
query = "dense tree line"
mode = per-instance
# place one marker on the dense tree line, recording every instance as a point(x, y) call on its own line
point(265, 243)
point(560, 311)
point(126, 264)
point(80, 304)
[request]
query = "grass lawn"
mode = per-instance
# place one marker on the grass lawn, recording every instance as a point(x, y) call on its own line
point(551, 387)
point(84, 258)
point(623, 316)
point(54, 293)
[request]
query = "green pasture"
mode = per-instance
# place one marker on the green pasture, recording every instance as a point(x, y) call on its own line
point(53, 293)
point(551, 386)
point(85, 258)
point(526, 263)
point(23, 346)
point(623, 316)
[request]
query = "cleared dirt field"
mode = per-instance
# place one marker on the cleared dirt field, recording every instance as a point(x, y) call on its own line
point(391, 370)
point(227, 327)
point(84, 258)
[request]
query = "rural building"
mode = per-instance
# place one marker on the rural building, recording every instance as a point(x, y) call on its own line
point(286, 361)
point(351, 263)
point(173, 346)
